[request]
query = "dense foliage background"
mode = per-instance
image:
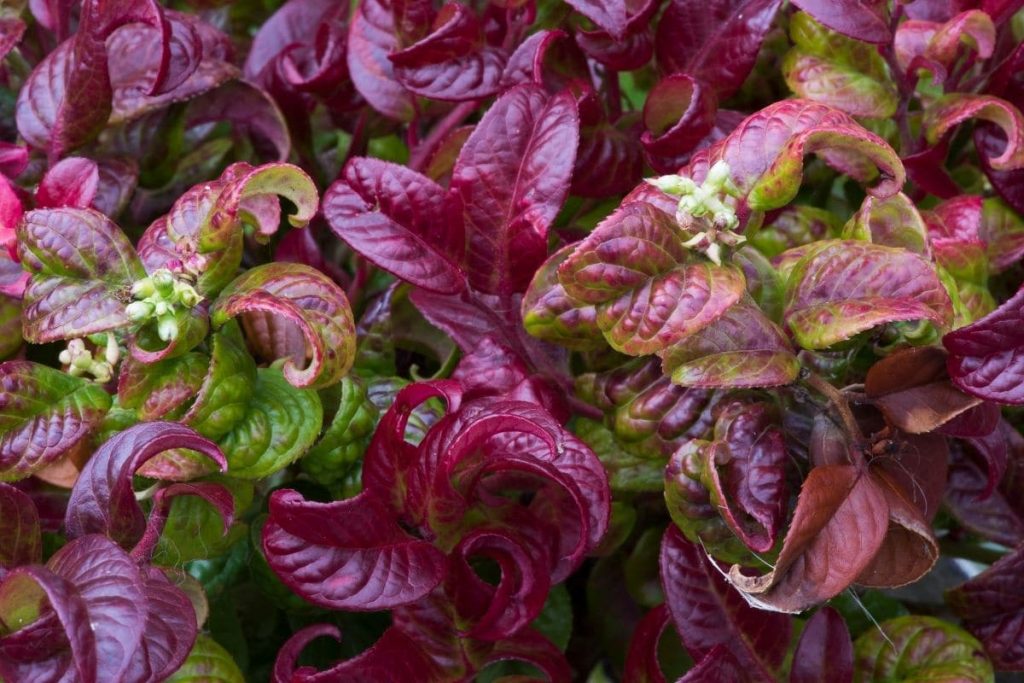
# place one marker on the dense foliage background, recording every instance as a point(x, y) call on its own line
point(590, 340)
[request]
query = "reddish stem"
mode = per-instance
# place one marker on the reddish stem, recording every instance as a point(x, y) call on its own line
point(426, 148)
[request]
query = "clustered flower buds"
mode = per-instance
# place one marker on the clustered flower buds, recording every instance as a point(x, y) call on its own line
point(710, 205)
point(159, 297)
point(80, 360)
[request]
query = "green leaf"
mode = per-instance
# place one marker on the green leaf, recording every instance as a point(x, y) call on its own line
point(194, 528)
point(44, 415)
point(892, 222)
point(208, 663)
point(919, 648)
point(280, 424)
point(827, 67)
point(10, 326)
point(225, 393)
point(335, 457)
point(627, 471)
point(160, 390)
point(82, 268)
point(555, 620)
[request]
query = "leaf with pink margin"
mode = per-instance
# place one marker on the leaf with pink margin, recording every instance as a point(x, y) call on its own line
point(511, 178)
point(610, 15)
point(649, 291)
point(993, 611)
point(110, 584)
point(949, 111)
point(394, 658)
point(82, 266)
point(398, 220)
point(170, 630)
point(373, 36)
point(642, 664)
point(103, 500)
point(11, 31)
point(158, 389)
point(741, 349)
point(862, 20)
point(986, 358)
point(217, 495)
point(552, 315)
point(452, 63)
point(25, 587)
point(348, 554)
point(972, 28)
point(827, 67)
point(309, 301)
point(765, 152)
point(45, 414)
point(840, 522)
point(841, 288)
point(678, 113)
point(716, 42)
point(891, 222)
point(21, 541)
point(824, 653)
point(990, 141)
point(71, 182)
point(708, 613)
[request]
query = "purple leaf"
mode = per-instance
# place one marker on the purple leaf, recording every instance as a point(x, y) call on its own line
point(862, 20)
point(72, 182)
point(373, 36)
point(997, 517)
point(20, 535)
point(717, 665)
point(45, 414)
point(397, 219)
point(20, 590)
point(608, 161)
point(989, 141)
point(610, 15)
point(308, 300)
point(348, 554)
point(110, 585)
point(992, 610)
point(642, 664)
point(250, 111)
point(986, 359)
point(717, 42)
point(825, 651)
point(82, 266)
point(708, 613)
point(511, 177)
point(649, 290)
point(169, 631)
point(11, 31)
point(891, 222)
point(841, 288)
point(103, 500)
point(552, 315)
point(453, 62)
point(294, 23)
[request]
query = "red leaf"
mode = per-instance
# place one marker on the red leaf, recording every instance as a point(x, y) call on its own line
point(71, 182)
point(861, 19)
point(825, 651)
point(992, 608)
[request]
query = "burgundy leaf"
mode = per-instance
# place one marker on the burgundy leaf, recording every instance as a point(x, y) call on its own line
point(294, 23)
point(717, 42)
point(453, 62)
point(250, 111)
point(839, 524)
point(608, 161)
point(708, 613)
point(642, 660)
point(633, 51)
point(397, 219)
point(170, 630)
point(348, 554)
point(71, 182)
point(103, 500)
point(394, 658)
point(552, 315)
point(863, 20)
point(717, 665)
point(20, 537)
point(11, 31)
point(511, 178)
point(825, 651)
point(986, 359)
point(989, 141)
point(308, 300)
point(993, 610)
point(679, 113)
point(610, 15)
point(995, 515)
